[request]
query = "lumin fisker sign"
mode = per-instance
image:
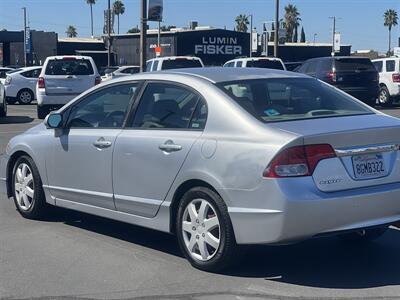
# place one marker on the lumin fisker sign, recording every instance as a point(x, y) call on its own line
point(214, 46)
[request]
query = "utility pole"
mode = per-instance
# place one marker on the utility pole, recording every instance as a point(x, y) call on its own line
point(251, 35)
point(143, 35)
point(276, 33)
point(109, 34)
point(333, 35)
point(25, 37)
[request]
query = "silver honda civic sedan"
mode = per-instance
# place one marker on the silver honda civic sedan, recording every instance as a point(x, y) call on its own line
point(221, 157)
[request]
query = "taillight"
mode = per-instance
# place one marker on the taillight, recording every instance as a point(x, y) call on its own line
point(97, 80)
point(41, 83)
point(332, 76)
point(8, 80)
point(298, 161)
point(396, 77)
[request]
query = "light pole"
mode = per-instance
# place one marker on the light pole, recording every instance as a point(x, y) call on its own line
point(276, 35)
point(25, 37)
point(251, 35)
point(143, 35)
point(109, 34)
point(334, 18)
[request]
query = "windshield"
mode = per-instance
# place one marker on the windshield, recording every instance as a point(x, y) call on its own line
point(288, 99)
point(181, 64)
point(352, 64)
point(265, 63)
point(69, 67)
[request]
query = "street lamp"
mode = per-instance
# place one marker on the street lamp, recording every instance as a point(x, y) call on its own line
point(315, 35)
point(276, 36)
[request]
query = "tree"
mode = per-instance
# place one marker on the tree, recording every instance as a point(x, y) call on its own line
point(292, 20)
point(390, 20)
point(119, 9)
point(71, 31)
point(134, 30)
point(242, 22)
point(302, 36)
point(91, 3)
point(296, 35)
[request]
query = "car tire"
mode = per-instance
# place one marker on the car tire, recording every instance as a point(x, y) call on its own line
point(384, 98)
point(42, 112)
point(213, 246)
point(27, 189)
point(25, 97)
point(365, 235)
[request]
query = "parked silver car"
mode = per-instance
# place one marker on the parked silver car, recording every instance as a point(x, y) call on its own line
point(218, 156)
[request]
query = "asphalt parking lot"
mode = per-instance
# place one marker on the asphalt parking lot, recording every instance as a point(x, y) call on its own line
point(74, 255)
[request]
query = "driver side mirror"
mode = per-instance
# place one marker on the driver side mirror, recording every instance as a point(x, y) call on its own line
point(54, 121)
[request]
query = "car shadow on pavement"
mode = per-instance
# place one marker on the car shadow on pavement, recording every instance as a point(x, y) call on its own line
point(16, 120)
point(327, 263)
point(157, 240)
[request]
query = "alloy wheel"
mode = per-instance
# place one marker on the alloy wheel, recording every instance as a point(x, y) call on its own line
point(25, 97)
point(201, 229)
point(24, 186)
point(383, 96)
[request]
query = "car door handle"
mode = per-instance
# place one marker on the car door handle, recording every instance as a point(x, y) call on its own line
point(101, 143)
point(170, 146)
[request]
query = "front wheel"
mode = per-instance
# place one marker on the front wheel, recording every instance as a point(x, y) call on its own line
point(204, 230)
point(27, 188)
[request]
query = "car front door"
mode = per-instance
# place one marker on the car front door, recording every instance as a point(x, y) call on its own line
point(80, 163)
point(149, 153)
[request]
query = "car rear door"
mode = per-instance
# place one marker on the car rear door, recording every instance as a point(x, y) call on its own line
point(69, 76)
point(149, 153)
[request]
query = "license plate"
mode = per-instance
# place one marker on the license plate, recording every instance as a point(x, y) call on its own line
point(369, 166)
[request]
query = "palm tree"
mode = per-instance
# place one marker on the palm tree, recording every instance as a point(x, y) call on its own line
point(292, 21)
point(91, 3)
point(71, 31)
point(119, 9)
point(391, 20)
point(242, 21)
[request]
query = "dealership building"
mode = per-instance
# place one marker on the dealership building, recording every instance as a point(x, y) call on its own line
point(214, 46)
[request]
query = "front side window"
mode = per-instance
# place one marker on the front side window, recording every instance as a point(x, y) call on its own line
point(106, 108)
point(69, 67)
point(168, 106)
point(288, 99)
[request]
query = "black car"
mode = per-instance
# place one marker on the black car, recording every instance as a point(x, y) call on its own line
point(356, 76)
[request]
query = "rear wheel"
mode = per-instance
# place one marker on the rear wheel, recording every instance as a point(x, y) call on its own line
point(25, 96)
point(384, 98)
point(204, 230)
point(364, 235)
point(27, 188)
point(42, 111)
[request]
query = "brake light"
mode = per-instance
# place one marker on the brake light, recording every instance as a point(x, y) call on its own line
point(41, 83)
point(97, 80)
point(396, 78)
point(298, 161)
point(332, 76)
point(8, 80)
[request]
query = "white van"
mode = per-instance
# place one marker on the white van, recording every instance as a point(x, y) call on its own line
point(173, 62)
point(389, 79)
point(62, 79)
point(257, 62)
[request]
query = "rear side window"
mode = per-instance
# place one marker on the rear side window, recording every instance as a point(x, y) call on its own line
point(167, 106)
point(181, 63)
point(32, 73)
point(352, 64)
point(378, 65)
point(289, 99)
point(69, 67)
point(312, 67)
point(229, 65)
point(155, 65)
point(239, 64)
point(390, 66)
point(148, 66)
point(265, 63)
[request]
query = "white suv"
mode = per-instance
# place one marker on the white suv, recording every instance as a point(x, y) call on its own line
point(256, 62)
point(62, 79)
point(389, 79)
point(173, 62)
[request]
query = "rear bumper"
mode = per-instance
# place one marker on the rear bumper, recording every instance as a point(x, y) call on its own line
point(284, 211)
point(44, 99)
point(363, 94)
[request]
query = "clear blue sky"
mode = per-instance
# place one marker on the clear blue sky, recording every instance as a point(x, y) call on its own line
point(361, 22)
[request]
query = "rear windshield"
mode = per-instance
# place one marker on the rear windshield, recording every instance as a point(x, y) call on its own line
point(69, 67)
point(353, 64)
point(288, 99)
point(181, 64)
point(264, 63)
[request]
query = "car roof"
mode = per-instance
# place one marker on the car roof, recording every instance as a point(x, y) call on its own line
point(28, 69)
point(175, 57)
point(219, 74)
point(63, 56)
point(256, 58)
